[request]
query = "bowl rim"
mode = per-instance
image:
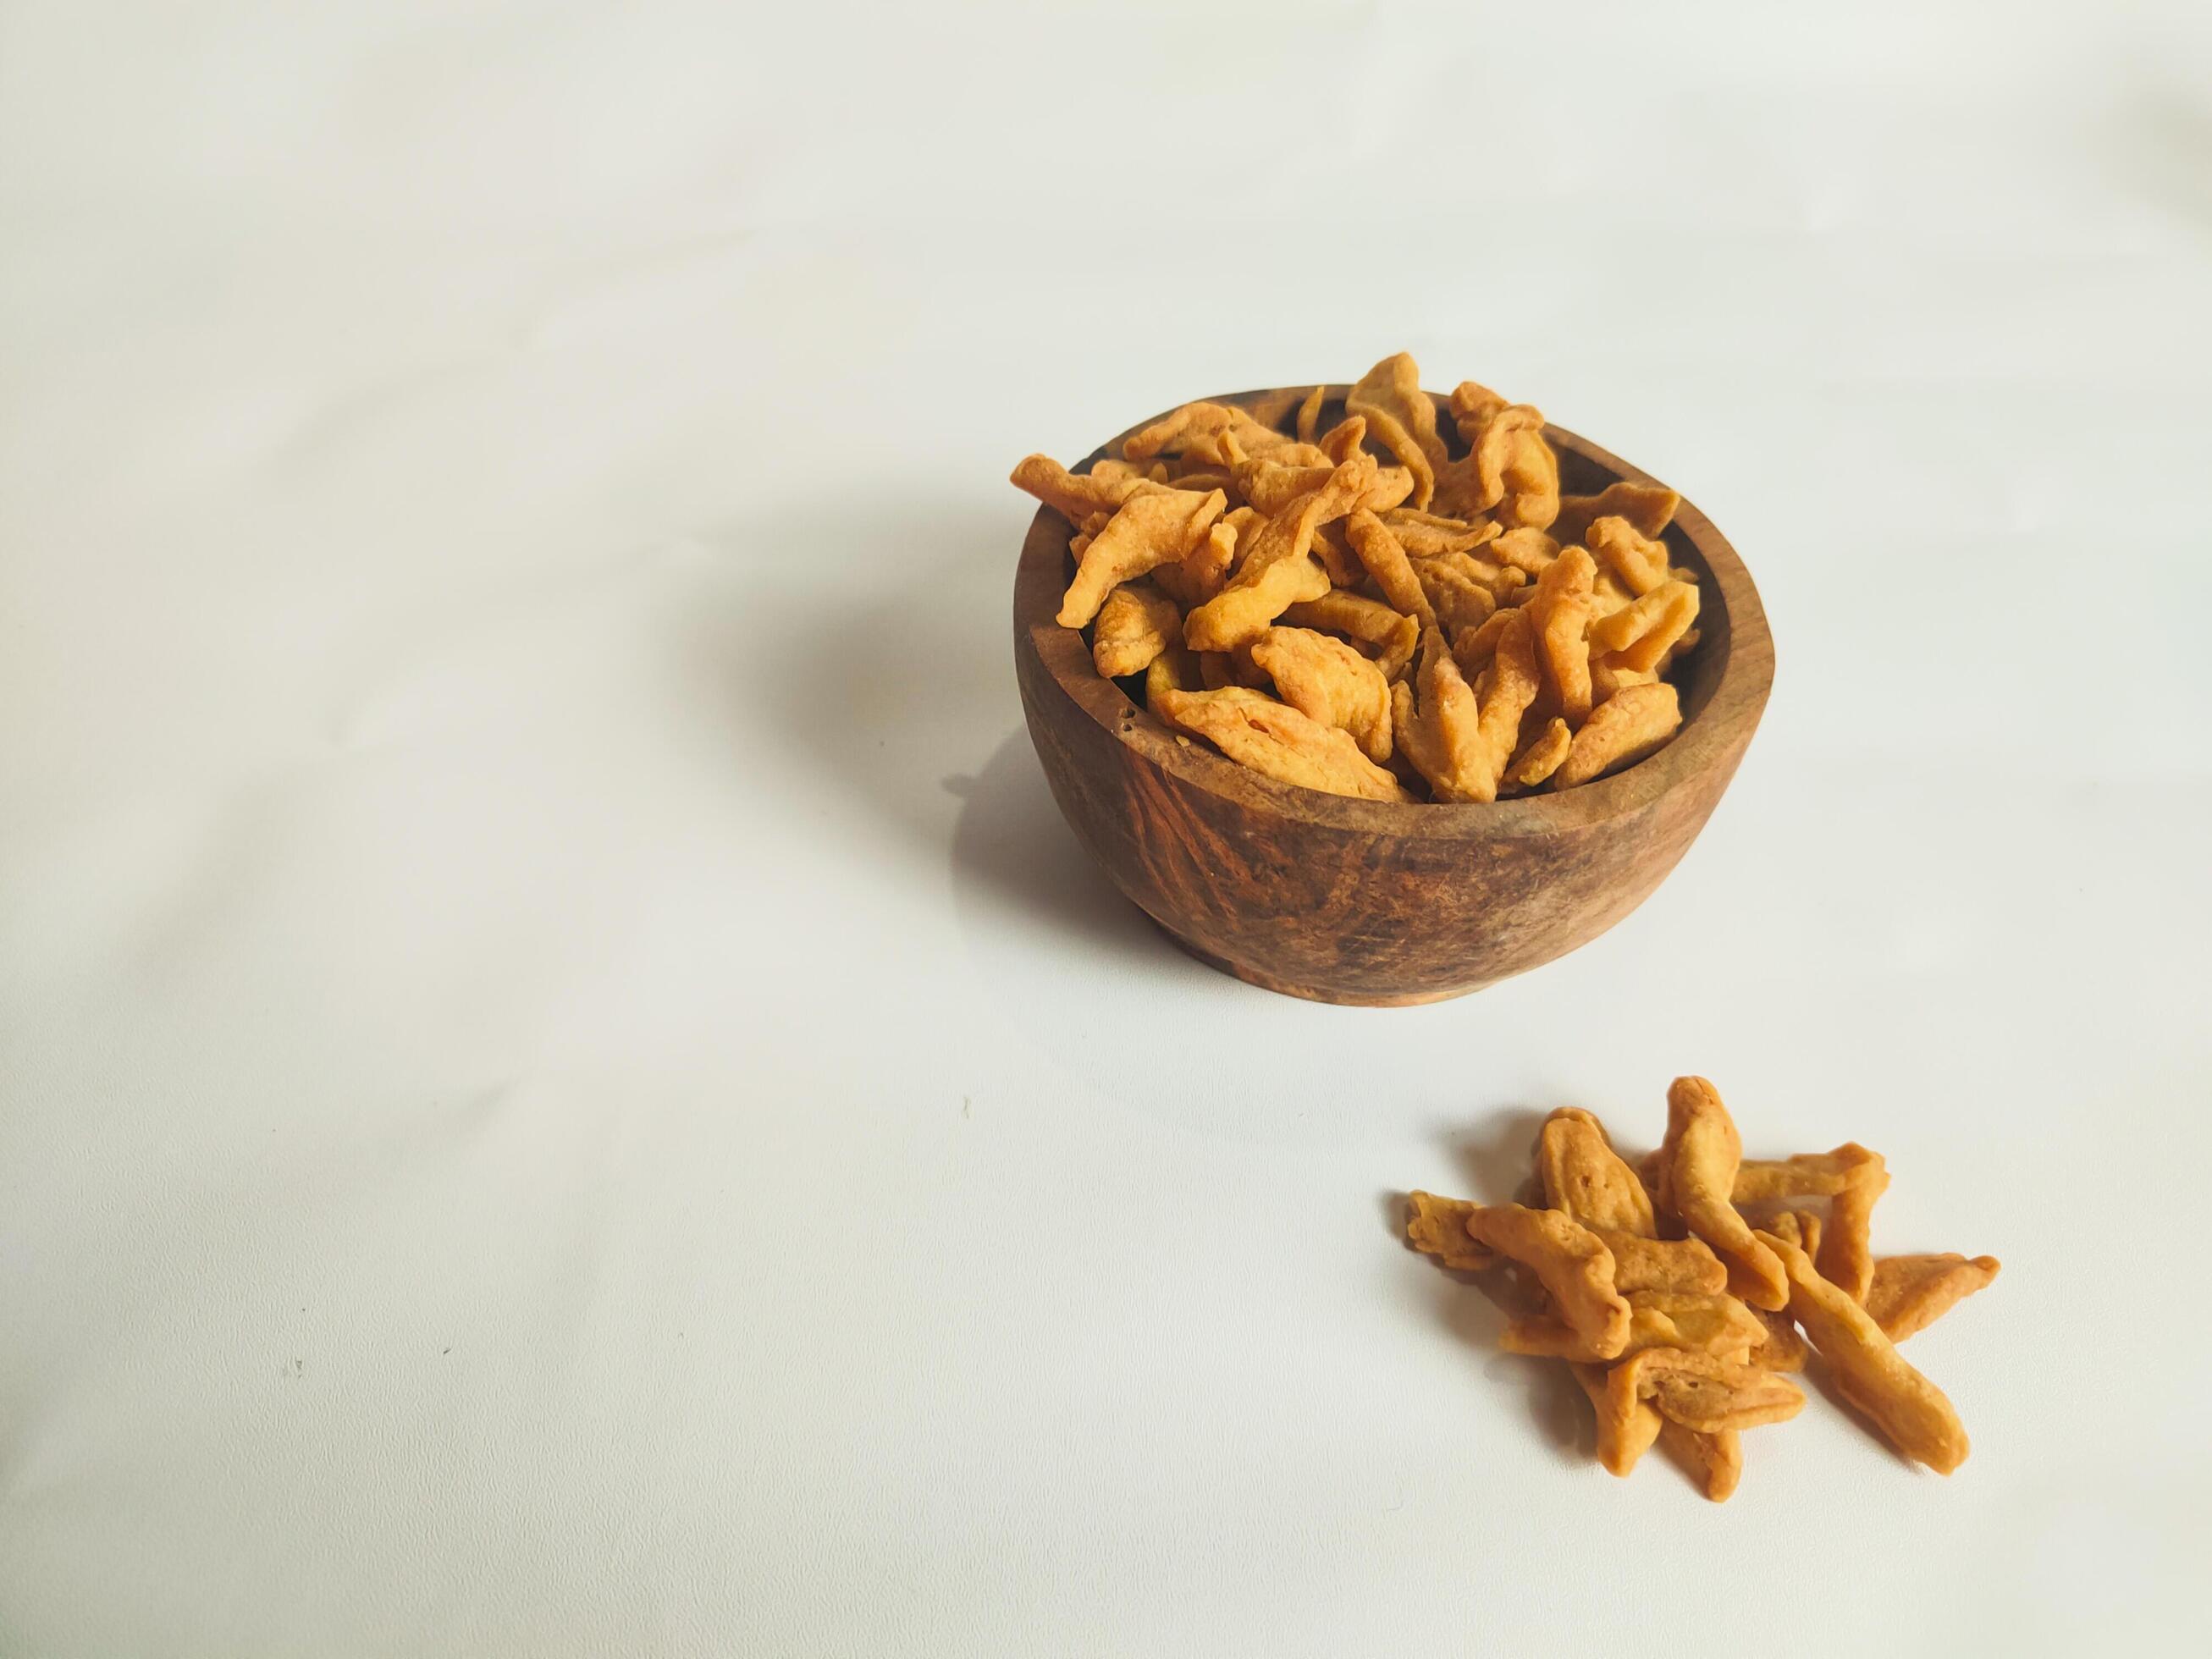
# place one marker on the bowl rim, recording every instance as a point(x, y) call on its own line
point(1709, 737)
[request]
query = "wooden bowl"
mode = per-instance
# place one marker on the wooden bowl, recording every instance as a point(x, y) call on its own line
point(1373, 901)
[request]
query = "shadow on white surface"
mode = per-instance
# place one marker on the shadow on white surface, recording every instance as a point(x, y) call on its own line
point(1012, 853)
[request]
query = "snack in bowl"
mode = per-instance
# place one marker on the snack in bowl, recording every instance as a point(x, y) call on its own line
point(1679, 1317)
point(1547, 625)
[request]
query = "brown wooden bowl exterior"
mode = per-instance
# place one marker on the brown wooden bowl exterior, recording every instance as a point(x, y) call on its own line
point(1381, 902)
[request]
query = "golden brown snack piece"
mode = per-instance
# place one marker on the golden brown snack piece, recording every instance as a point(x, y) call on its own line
point(1430, 536)
point(1458, 596)
point(1697, 1175)
point(1474, 647)
point(1074, 495)
point(1459, 739)
point(1150, 530)
point(1333, 552)
point(1328, 681)
point(1575, 1270)
point(1715, 1324)
point(1909, 1293)
point(1385, 561)
point(1662, 1264)
point(1390, 637)
point(1640, 564)
point(1640, 635)
point(1510, 471)
point(1309, 413)
point(1176, 669)
point(1217, 671)
point(1529, 551)
point(1800, 1227)
point(1714, 1460)
point(1622, 1439)
point(1606, 682)
point(1845, 1254)
point(1401, 418)
point(1273, 738)
point(1867, 1370)
point(1784, 1349)
point(1540, 756)
point(1702, 1391)
point(1437, 1226)
point(1198, 575)
point(1585, 1178)
point(1806, 1174)
point(1560, 614)
point(1197, 430)
point(1622, 730)
point(1243, 609)
point(1268, 486)
point(1648, 509)
point(1342, 442)
point(1136, 624)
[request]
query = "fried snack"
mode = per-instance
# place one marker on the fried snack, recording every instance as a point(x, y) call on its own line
point(1540, 756)
point(1622, 1440)
point(1386, 566)
point(1585, 1178)
point(1718, 1325)
point(1457, 739)
point(1648, 508)
point(1560, 613)
point(1784, 1349)
point(1844, 1255)
point(1529, 551)
point(1800, 1227)
point(1867, 1370)
point(1136, 624)
point(1342, 442)
point(1268, 486)
point(1430, 536)
point(1806, 1175)
point(1390, 637)
point(1693, 1363)
point(1198, 575)
point(1575, 1270)
point(1640, 635)
point(1150, 530)
point(1243, 609)
point(1640, 564)
point(1716, 1461)
point(1662, 1264)
point(1273, 738)
point(1176, 669)
point(1621, 731)
point(1197, 428)
point(1696, 1174)
point(1243, 516)
point(1401, 418)
point(1327, 681)
point(1074, 495)
point(1456, 593)
point(1510, 471)
point(1702, 1391)
point(1437, 1227)
point(1909, 1293)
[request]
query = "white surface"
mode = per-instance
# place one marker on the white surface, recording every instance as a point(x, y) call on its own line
point(566, 1090)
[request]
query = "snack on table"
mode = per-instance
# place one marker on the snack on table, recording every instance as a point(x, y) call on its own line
point(1651, 1284)
point(1268, 552)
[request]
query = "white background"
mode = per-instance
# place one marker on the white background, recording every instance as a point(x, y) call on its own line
point(566, 1090)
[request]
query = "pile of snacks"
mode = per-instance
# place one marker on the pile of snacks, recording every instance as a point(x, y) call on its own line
point(1434, 625)
point(1679, 1296)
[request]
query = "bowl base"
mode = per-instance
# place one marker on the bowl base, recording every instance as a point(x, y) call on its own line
point(1311, 994)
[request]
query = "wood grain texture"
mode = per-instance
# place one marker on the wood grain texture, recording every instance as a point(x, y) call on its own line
point(1377, 903)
